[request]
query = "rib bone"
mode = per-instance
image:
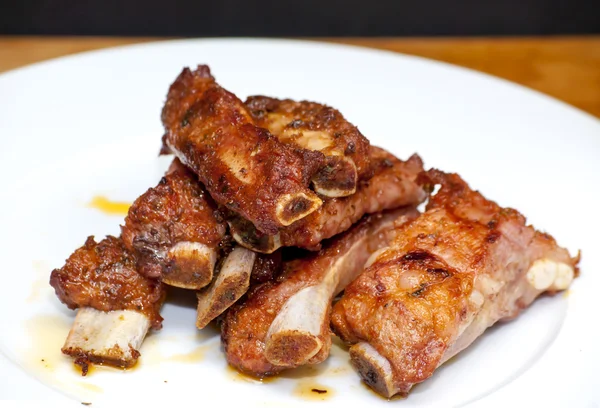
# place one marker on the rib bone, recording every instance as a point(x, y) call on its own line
point(284, 323)
point(191, 265)
point(319, 128)
point(231, 283)
point(392, 186)
point(374, 369)
point(106, 337)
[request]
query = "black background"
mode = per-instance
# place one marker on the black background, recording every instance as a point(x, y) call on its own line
point(299, 18)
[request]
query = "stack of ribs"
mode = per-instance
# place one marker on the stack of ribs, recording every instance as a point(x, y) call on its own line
point(272, 209)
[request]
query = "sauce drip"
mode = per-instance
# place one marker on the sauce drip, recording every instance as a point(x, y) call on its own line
point(109, 207)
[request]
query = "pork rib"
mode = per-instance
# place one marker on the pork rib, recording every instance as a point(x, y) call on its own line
point(313, 126)
point(285, 323)
point(243, 166)
point(393, 185)
point(174, 231)
point(460, 267)
point(117, 305)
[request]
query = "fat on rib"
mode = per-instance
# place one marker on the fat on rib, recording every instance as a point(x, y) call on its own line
point(457, 269)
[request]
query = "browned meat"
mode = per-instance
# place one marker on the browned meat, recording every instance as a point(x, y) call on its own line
point(103, 276)
point(243, 166)
point(174, 230)
point(318, 127)
point(266, 267)
point(393, 185)
point(448, 275)
point(285, 323)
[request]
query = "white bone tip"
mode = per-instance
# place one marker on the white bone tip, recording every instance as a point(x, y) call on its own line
point(547, 274)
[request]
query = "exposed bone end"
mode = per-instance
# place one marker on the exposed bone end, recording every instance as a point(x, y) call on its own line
point(191, 265)
point(564, 277)
point(374, 369)
point(112, 338)
point(292, 348)
point(293, 207)
point(246, 234)
point(231, 283)
point(294, 335)
point(338, 178)
point(546, 274)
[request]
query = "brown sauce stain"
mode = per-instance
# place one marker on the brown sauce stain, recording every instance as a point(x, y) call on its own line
point(79, 370)
point(109, 207)
point(312, 391)
point(238, 376)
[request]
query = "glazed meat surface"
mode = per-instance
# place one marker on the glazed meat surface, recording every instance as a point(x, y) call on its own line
point(308, 284)
point(393, 185)
point(313, 126)
point(103, 276)
point(243, 166)
point(174, 230)
point(448, 275)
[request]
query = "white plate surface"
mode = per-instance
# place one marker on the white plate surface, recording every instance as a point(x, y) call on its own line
point(89, 124)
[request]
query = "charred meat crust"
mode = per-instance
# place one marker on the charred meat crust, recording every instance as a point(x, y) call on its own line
point(243, 166)
point(177, 210)
point(317, 127)
point(393, 185)
point(104, 276)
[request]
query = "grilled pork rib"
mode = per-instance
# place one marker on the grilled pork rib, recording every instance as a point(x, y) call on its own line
point(285, 323)
point(243, 166)
point(174, 231)
point(317, 127)
point(457, 269)
point(117, 305)
point(393, 185)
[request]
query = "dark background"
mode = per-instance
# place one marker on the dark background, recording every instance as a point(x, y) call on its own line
point(299, 18)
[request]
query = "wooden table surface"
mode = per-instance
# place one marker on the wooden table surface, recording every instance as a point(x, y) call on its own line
point(567, 68)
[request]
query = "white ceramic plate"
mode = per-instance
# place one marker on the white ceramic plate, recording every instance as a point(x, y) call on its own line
point(89, 125)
